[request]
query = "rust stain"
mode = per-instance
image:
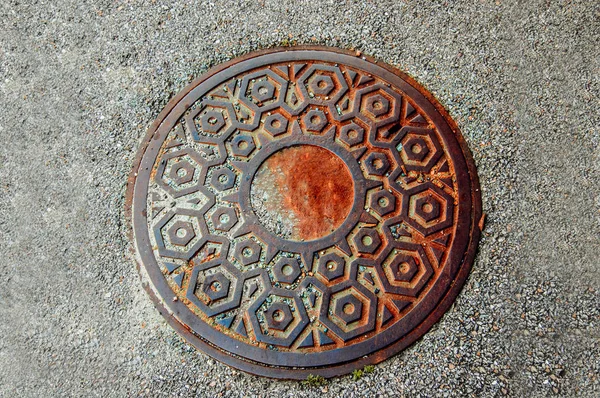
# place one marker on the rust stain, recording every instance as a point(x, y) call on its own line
point(316, 186)
point(482, 222)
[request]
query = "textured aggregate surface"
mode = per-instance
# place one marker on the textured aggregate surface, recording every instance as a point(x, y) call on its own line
point(80, 83)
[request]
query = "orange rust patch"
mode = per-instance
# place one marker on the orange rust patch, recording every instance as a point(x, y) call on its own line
point(314, 185)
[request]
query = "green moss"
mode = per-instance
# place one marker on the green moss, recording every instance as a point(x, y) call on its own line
point(369, 369)
point(358, 373)
point(314, 381)
point(287, 42)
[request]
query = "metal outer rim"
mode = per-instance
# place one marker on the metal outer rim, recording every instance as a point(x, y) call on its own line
point(341, 368)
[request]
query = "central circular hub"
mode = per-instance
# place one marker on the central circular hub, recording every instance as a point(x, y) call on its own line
point(302, 192)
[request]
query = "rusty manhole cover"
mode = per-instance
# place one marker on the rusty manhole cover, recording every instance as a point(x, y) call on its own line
point(304, 211)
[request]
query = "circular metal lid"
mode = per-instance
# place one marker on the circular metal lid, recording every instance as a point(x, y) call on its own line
point(303, 211)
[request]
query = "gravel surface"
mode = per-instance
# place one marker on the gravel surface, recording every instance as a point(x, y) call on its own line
point(81, 83)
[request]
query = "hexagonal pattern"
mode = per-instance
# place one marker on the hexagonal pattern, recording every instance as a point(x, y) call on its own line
point(211, 120)
point(247, 252)
point(224, 218)
point(275, 124)
point(376, 105)
point(331, 266)
point(179, 234)
point(429, 209)
point(315, 120)
point(352, 134)
point(379, 104)
point(326, 84)
point(382, 202)
point(321, 84)
point(286, 270)
point(278, 318)
point(350, 309)
point(419, 148)
point(405, 271)
point(377, 164)
point(215, 287)
point(242, 145)
point(367, 240)
point(263, 90)
point(416, 149)
point(403, 268)
point(222, 179)
point(180, 172)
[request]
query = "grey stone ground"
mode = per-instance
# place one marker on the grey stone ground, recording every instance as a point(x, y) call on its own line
point(81, 83)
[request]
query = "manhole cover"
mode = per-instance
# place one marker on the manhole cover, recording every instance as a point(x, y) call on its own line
point(304, 211)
